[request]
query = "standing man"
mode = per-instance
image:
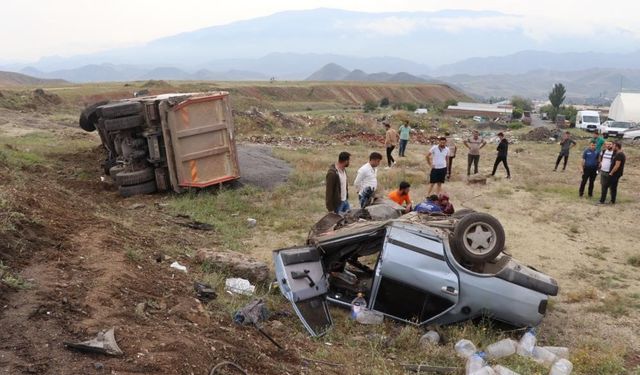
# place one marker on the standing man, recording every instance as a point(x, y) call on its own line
point(565, 145)
point(405, 131)
point(503, 149)
point(589, 168)
point(452, 154)
point(337, 192)
point(366, 180)
point(599, 141)
point(390, 142)
point(617, 170)
point(401, 196)
point(437, 160)
point(606, 158)
point(474, 144)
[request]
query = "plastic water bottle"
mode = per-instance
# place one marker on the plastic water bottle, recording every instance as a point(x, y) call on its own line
point(527, 343)
point(357, 305)
point(561, 367)
point(474, 363)
point(430, 338)
point(502, 348)
point(560, 351)
point(501, 370)
point(543, 356)
point(486, 370)
point(465, 348)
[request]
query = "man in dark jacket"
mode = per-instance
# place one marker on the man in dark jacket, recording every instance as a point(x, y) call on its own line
point(503, 149)
point(617, 170)
point(589, 168)
point(337, 193)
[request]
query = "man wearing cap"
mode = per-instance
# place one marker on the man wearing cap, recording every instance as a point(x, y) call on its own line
point(437, 160)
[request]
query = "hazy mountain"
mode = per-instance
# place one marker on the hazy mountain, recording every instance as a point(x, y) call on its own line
point(526, 61)
point(11, 79)
point(581, 85)
point(428, 38)
point(335, 72)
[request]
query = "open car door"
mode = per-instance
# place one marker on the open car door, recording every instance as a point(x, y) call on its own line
point(303, 282)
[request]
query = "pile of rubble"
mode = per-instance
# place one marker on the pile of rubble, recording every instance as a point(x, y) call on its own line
point(540, 134)
point(285, 141)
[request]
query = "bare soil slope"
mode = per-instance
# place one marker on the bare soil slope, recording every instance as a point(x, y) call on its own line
point(11, 79)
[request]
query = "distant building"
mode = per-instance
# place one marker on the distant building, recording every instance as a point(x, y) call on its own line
point(462, 109)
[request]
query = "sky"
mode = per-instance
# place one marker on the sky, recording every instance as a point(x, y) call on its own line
point(36, 28)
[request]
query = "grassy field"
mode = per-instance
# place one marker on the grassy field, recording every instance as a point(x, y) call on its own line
point(591, 250)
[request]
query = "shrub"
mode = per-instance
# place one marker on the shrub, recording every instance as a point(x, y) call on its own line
point(384, 102)
point(370, 106)
point(517, 113)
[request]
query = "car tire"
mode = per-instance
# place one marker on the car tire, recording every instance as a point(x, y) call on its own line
point(478, 237)
point(135, 177)
point(113, 171)
point(462, 213)
point(123, 123)
point(89, 117)
point(116, 110)
point(145, 188)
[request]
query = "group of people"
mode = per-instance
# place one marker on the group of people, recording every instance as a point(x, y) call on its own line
point(600, 157)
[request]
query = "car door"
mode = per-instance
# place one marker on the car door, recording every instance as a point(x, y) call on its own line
point(413, 281)
point(303, 282)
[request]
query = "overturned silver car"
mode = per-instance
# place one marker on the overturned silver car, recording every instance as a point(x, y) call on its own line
point(419, 269)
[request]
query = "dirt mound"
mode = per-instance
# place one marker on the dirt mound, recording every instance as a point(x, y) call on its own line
point(41, 97)
point(152, 83)
point(540, 134)
point(342, 125)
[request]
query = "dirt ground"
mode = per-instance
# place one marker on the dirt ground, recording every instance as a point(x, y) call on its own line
point(92, 260)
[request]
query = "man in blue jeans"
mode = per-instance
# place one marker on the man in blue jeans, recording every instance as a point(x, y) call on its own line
point(366, 180)
point(336, 181)
point(589, 169)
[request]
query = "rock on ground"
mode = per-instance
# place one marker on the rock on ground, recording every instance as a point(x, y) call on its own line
point(237, 264)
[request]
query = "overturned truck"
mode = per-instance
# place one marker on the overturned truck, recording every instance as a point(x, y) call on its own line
point(166, 142)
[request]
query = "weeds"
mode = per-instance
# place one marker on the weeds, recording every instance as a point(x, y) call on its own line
point(134, 255)
point(634, 261)
point(12, 280)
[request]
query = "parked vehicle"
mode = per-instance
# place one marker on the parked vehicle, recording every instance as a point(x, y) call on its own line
point(478, 119)
point(424, 270)
point(611, 128)
point(561, 121)
point(421, 111)
point(632, 134)
point(526, 117)
point(170, 141)
point(588, 120)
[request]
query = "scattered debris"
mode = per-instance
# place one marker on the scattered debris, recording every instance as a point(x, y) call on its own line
point(239, 286)
point(136, 206)
point(178, 266)
point(204, 292)
point(98, 366)
point(236, 263)
point(252, 313)
point(104, 343)
point(287, 141)
point(477, 179)
point(251, 223)
point(185, 221)
point(139, 310)
point(220, 365)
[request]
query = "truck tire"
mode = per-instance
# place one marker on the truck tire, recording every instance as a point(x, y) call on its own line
point(89, 117)
point(113, 171)
point(123, 123)
point(135, 177)
point(145, 188)
point(116, 110)
point(478, 237)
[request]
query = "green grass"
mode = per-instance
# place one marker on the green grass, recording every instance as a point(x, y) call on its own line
point(634, 261)
point(12, 280)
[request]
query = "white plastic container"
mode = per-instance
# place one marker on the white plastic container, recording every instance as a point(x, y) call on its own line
point(561, 367)
point(358, 304)
point(560, 351)
point(474, 363)
point(486, 370)
point(430, 338)
point(501, 370)
point(366, 316)
point(527, 343)
point(465, 348)
point(543, 356)
point(502, 348)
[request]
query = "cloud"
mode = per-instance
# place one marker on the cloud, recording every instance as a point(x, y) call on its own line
point(387, 26)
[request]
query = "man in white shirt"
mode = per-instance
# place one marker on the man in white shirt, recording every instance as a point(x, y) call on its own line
point(606, 159)
point(366, 180)
point(437, 160)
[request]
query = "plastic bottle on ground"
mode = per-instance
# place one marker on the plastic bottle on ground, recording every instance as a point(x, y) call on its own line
point(357, 305)
point(561, 367)
point(501, 370)
point(430, 338)
point(560, 351)
point(465, 348)
point(502, 348)
point(543, 356)
point(527, 343)
point(474, 363)
point(366, 316)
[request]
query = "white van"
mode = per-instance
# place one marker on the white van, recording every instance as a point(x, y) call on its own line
point(588, 120)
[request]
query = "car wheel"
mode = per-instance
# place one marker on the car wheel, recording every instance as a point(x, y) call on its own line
point(145, 188)
point(478, 237)
point(123, 123)
point(135, 177)
point(116, 110)
point(89, 117)
point(462, 213)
